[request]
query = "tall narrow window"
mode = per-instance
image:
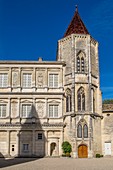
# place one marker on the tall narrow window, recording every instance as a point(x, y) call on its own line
point(53, 80)
point(27, 79)
point(85, 131)
point(79, 131)
point(81, 99)
point(26, 110)
point(68, 101)
point(25, 147)
point(2, 110)
point(3, 80)
point(80, 62)
point(53, 111)
point(82, 130)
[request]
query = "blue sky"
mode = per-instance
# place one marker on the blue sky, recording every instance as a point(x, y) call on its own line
point(31, 28)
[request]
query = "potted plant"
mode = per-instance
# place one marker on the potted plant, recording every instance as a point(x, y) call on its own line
point(67, 149)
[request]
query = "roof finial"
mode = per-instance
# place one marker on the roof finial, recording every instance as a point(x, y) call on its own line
point(76, 8)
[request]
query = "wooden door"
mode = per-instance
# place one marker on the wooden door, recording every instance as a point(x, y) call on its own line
point(82, 151)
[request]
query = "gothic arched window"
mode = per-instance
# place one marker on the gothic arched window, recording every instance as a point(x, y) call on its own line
point(81, 99)
point(85, 131)
point(78, 64)
point(79, 131)
point(68, 101)
point(81, 62)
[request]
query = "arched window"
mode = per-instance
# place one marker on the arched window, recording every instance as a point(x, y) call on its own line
point(79, 131)
point(82, 129)
point(81, 99)
point(80, 62)
point(85, 131)
point(68, 101)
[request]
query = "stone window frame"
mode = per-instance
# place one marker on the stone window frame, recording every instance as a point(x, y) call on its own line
point(40, 136)
point(53, 106)
point(82, 129)
point(26, 79)
point(81, 99)
point(80, 66)
point(4, 80)
point(68, 100)
point(27, 115)
point(53, 81)
point(25, 147)
point(2, 106)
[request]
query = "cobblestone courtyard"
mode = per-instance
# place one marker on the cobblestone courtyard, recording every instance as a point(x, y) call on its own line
point(57, 164)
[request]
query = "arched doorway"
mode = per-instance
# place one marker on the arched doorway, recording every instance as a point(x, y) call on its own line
point(82, 151)
point(53, 149)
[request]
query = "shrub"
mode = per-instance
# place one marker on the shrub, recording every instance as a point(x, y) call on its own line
point(66, 146)
point(98, 155)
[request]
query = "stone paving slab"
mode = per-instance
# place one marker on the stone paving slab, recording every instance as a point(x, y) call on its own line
point(57, 164)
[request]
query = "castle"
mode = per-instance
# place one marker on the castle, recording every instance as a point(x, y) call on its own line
point(44, 103)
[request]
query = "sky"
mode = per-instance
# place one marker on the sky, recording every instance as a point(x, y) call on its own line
point(30, 29)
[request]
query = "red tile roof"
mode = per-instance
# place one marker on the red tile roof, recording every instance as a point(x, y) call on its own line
point(76, 26)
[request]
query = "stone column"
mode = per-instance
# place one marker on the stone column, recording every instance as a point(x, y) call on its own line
point(18, 143)
point(19, 79)
point(10, 78)
point(8, 143)
point(33, 144)
point(61, 141)
point(9, 109)
point(34, 79)
point(46, 143)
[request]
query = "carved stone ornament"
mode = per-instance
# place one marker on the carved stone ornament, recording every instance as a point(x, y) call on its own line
point(40, 109)
point(40, 80)
point(15, 79)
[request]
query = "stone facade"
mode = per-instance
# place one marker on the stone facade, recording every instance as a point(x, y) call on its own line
point(44, 103)
point(107, 130)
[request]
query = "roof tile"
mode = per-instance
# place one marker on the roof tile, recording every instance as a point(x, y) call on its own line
point(76, 26)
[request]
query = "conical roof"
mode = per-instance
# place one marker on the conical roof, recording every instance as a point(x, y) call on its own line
point(76, 26)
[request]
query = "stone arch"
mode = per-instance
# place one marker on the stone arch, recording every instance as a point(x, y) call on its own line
point(53, 149)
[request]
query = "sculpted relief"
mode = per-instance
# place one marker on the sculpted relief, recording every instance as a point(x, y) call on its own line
point(14, 109)
point(40, 80)
point(40, 109)
point(15, 79)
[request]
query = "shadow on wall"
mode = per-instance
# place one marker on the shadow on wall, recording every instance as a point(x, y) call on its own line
point(27, 139)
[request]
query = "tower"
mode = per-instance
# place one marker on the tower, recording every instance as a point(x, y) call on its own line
point(82, 103)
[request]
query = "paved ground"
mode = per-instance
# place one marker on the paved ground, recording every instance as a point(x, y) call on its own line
point(57, 164)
